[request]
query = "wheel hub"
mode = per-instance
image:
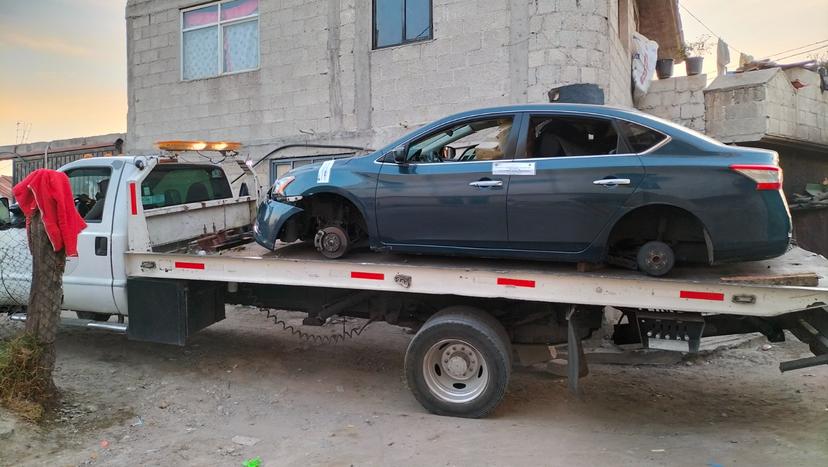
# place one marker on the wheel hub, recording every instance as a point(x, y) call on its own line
point(459, 362)
point(331, 242)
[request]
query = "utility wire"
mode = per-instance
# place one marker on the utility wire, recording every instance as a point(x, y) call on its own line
point(707, 27)
point(801, 53)
point(797, 48)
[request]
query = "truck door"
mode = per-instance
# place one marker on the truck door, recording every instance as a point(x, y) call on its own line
point(88, 278)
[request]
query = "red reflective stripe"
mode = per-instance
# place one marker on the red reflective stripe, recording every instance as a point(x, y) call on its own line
point(185, 265)
point(719, 297)
point(515, 282)
point(133, 199)
point(374, 276)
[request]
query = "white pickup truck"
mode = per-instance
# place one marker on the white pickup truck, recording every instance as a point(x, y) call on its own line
point(165, 249)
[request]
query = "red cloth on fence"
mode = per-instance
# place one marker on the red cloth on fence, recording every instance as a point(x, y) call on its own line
point(49, 192)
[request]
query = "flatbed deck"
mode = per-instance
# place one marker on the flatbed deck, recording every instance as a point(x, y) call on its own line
point(690, 289)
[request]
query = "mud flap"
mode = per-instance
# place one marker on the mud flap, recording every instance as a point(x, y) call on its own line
point(169, 311)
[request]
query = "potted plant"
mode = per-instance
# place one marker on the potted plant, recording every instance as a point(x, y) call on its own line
point(693, 54)
point(664, 68)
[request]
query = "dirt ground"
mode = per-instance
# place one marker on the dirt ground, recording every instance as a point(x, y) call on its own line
point(129, 403)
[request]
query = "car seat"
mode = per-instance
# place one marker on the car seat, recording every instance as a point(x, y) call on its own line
point(197, 192)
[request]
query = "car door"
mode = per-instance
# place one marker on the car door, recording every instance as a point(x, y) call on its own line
point(447, 193)
point(583, 174)
point(87, 280)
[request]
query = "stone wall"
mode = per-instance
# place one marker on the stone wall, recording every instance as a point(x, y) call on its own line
point(679, 99)
point(319, 80)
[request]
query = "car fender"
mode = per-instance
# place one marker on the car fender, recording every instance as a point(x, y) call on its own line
point(271, 217)
point(634, 204)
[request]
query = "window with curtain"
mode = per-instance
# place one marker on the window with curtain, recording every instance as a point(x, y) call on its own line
point(219, 38)
point(401, 21)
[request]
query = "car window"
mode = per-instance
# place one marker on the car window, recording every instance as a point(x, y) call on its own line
point(567, 135)
point(640, 138)
point(477, 140)
point(89, 187)
point(171, 185)
point(5, 213)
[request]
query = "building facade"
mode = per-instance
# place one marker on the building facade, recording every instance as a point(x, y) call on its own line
point(358, 72)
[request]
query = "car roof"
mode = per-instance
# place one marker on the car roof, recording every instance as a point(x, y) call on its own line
point(674, 130)
point(599, 109)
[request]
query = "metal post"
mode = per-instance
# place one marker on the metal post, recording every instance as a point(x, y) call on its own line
point(576, 365)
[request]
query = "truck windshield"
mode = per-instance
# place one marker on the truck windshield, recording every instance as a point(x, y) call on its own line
point(171, 185)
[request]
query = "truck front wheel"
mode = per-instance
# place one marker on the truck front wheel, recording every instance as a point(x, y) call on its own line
point(459, 363)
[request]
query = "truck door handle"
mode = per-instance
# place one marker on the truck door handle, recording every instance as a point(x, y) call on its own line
point(610, 182)
point(101, 246)
point(487, 183)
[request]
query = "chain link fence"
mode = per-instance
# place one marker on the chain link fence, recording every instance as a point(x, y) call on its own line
point(15, 267)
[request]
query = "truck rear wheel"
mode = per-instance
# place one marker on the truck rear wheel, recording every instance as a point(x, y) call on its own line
point(459, 363)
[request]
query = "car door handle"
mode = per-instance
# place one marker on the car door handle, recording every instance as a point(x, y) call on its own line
point(612, 181)
point(487, 183)
point(101, 248)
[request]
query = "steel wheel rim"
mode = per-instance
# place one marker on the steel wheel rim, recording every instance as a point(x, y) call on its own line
point(455, 371)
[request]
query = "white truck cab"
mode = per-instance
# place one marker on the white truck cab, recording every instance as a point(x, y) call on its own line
point(121, 199)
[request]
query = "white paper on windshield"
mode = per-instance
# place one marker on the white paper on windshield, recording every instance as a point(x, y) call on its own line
point(513, 168)
point(324, 175)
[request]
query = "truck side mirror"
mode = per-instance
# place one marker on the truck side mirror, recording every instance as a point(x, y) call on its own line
point(399, 154)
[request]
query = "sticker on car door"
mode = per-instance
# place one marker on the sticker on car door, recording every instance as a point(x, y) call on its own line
point(324, 175)
point(513, 168)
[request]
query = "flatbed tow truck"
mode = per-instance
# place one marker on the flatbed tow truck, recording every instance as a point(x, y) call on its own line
point(167, 271)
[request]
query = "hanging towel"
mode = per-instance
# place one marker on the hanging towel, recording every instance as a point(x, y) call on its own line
point(722, 57)
point(49, 192)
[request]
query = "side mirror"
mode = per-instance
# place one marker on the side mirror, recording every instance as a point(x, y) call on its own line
point(399, 154)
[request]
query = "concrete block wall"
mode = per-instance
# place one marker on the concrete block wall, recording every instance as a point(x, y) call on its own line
point(320, 81)
point(755, 105)
point(679, 99)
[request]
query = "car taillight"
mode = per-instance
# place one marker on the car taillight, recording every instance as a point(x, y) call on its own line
point(767, 177)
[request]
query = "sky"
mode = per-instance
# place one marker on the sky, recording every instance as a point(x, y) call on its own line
point(64, 61)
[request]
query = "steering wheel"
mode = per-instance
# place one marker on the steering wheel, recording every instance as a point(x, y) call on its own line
point(430, 156)
point(83, 203)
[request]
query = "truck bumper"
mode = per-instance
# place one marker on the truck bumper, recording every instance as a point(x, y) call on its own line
point(270, 219)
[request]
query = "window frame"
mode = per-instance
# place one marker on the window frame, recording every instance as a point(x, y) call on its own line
point(306, 159)
point(511, 146)
point(170, 168)
point(527, 117)
point(106, 195)
point(404, 41)
point(220, 24)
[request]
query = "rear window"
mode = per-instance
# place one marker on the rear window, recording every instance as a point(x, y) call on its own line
point(171, 185)
point(640, 138)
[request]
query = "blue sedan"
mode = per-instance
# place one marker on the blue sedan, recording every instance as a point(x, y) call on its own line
point(558, 182)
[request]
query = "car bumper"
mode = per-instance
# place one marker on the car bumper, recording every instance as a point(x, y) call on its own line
point(270, 219)
point(767, 237)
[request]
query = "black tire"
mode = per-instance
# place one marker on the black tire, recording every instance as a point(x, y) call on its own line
point(99, 317)
point(655, 258)
point(485, 335)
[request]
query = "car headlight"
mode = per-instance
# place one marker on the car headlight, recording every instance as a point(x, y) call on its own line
point(280, 185)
